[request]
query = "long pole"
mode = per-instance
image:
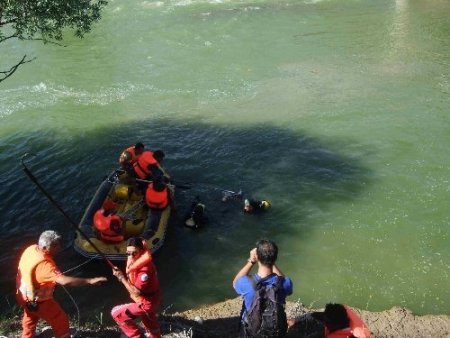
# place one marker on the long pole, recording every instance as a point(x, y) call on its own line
point(52, 200)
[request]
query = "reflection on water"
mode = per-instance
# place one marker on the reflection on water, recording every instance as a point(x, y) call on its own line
point(400, 24)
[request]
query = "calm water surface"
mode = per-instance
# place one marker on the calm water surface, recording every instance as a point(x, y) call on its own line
point(336, 111)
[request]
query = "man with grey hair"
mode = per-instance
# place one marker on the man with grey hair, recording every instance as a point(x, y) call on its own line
point(37, 277)
point(47, 238)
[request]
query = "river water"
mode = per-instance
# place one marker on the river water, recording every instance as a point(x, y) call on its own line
point(335, 111)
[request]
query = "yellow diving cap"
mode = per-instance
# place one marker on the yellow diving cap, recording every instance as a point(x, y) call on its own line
point(265, 205)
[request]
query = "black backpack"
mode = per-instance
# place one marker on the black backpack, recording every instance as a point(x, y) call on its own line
point(266, 317)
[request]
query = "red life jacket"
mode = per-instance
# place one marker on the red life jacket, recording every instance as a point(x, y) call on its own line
point(109, 227)
point(157, 199)
point(133, 265)
point(356, 328)
point(143, 162)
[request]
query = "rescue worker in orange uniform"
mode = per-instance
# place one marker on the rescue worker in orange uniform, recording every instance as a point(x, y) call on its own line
point(108, 223)
point(130, 156)
point(142, 283)
point(157, 195)
point(36, 280)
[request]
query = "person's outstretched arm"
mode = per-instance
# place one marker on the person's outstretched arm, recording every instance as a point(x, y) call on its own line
point(77, 281)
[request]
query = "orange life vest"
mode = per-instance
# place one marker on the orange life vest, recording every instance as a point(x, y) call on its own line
point(26, 281)
point(142, 264)
point(132, 152)
point(157, 199)
point(134, 265)
point(356, 329)
point(143, 162)
point(109, 226)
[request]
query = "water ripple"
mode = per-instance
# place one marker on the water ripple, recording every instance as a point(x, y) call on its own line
point(44, 95)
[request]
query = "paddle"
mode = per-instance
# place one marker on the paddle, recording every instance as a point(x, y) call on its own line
point(227, 192)
point(177, 185)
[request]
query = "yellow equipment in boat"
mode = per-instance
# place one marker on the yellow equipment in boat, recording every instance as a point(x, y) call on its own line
point(122, 191)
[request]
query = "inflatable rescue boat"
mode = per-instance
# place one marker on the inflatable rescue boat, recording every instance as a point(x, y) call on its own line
point(120, 193)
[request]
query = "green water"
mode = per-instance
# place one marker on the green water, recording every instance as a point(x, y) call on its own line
point(336, 111)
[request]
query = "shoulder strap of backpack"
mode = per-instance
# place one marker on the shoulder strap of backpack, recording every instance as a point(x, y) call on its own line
point(280, 281)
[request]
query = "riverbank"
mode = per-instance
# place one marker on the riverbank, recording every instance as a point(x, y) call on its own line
point(221, 321)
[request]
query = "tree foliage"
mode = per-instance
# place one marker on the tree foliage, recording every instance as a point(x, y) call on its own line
point(45, 20)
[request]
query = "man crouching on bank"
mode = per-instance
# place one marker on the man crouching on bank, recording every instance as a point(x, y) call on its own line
point(143, 286)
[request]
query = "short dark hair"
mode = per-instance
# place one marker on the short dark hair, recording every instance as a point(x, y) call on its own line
point(158, 184)
point(158, 155)
point(139, 146)
point(267, 252)
point(335, 317)
point(137, 242)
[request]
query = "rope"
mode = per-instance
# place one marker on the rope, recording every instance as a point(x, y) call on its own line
point(76, 307)
point(68, 293)
point(80, 265)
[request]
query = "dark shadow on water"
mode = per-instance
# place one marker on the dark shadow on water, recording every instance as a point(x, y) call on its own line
point(296, 172)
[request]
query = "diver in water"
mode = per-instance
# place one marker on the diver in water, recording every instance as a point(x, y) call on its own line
point(252, 206)
point(197, 217)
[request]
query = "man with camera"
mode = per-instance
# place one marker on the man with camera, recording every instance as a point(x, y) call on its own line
point(264, 293)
